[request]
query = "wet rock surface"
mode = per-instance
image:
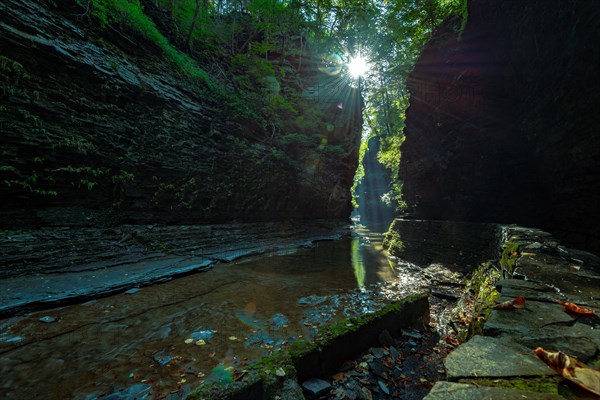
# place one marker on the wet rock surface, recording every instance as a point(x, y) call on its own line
point(45, 268)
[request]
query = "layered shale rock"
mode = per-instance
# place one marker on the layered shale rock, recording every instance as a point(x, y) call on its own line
point(99, 127)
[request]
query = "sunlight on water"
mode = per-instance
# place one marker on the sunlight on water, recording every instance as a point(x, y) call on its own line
point(358, 264)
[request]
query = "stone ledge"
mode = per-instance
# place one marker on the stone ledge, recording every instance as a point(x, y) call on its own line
point(489, 357)
point(461, 391)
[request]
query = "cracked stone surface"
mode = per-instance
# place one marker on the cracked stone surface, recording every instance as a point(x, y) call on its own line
point(490, 357)
point(461, 391)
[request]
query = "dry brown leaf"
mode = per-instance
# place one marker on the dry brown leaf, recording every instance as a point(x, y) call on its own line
point(575, 309)
point(338, 377)
point(516, 303)
point(572, 369)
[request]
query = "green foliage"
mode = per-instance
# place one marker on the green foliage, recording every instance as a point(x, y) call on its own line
point(12, 74)
point(34, 182)
point(394, 196)
point(509, 257)
point(482, 285)
point(130, 13)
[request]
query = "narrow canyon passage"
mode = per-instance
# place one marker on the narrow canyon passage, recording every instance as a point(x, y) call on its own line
point(299, 199)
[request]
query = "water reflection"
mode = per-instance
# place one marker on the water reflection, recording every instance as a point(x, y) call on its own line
point(358, 264)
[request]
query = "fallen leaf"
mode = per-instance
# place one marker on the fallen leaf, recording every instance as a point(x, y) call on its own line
point(189, 340)
point(572, 369)
point(212, 355)
point(452, 341)
point(340, 376)
point(200, 342)
point(516, 303)
point(237, 375)
point(575, 309)
point(366, 393)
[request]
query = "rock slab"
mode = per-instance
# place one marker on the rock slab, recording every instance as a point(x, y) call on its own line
point(461, 391)
point(490, 357)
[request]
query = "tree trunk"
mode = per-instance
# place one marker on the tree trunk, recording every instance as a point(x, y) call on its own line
point(188, 42)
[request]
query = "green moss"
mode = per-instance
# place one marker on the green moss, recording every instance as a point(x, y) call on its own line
point(392, 240)
point(547, 385)
point(483, 286)
point(509, 257)
point(211, 390)
point(350, 325)
point(298, 349)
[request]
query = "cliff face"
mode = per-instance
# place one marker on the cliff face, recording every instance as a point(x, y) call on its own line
point(503, 122)
point(98, 127)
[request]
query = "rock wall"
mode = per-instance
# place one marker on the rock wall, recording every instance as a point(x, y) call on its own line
point(503, 121)
point(98, 127)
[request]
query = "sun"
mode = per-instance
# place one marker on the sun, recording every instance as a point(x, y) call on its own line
point(357, 67)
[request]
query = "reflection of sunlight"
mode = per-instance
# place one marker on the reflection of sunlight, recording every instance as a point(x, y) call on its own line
point(222, 373)
point(358, 263)
point(248, 316)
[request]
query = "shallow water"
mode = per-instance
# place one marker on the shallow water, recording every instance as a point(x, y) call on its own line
point(205, 326)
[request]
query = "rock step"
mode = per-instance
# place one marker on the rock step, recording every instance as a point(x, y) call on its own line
point(489, 357)
point(461, 391)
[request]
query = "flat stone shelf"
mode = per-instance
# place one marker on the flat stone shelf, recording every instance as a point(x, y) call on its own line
point(501, 364)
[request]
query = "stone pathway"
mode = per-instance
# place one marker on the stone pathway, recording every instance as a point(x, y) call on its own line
point(501, 364)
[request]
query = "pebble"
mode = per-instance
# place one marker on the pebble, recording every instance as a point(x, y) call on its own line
point(377, 352)
point(316, 387)
point(411, 333)
point(162, 359)
point(378, 369)
point(383, 387)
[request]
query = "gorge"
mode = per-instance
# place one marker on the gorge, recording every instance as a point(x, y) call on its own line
point(296, 199)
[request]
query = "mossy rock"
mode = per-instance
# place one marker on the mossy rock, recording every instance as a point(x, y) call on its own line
point(540, 385)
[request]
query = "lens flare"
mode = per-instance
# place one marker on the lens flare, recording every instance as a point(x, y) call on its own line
point(357, 67)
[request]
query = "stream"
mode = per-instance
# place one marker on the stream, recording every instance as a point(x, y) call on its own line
point(165, 339)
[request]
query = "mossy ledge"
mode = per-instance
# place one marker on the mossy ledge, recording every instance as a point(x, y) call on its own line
point(321, 357)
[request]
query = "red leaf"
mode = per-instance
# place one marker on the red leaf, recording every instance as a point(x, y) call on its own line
point(575, 309)
point(516, 303)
